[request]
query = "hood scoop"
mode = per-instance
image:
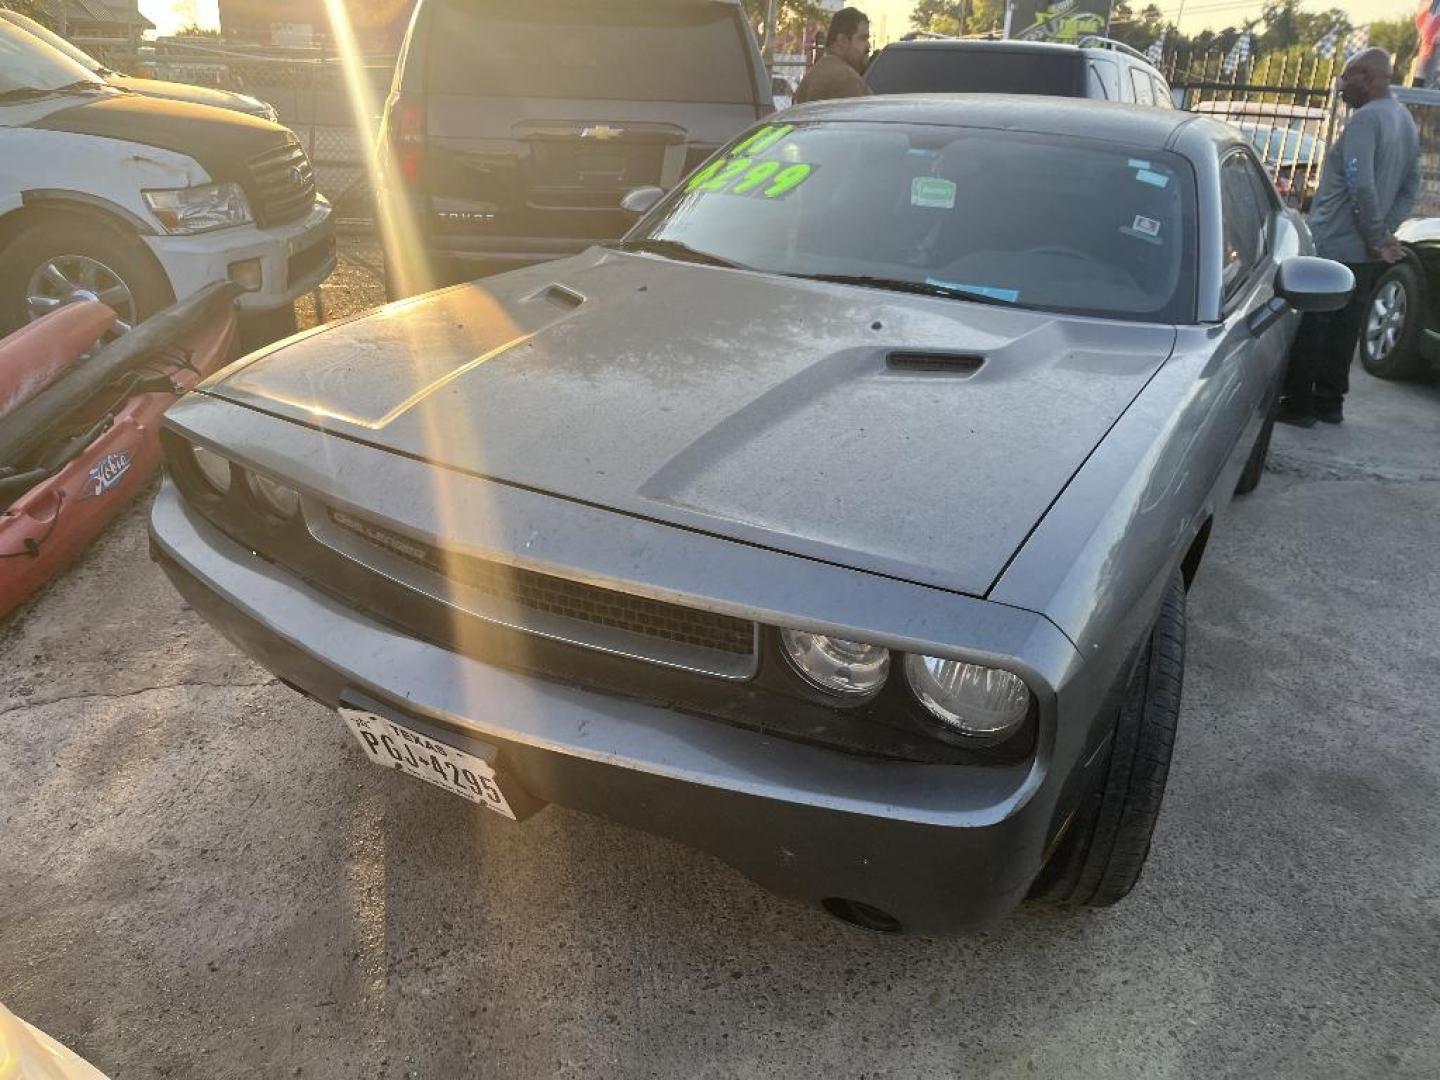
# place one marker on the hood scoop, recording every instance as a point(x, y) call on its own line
point(962, 364)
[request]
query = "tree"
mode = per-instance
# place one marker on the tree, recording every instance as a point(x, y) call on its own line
point(958, 16)
point(1400, 39)
point(1140, 31)
point(793, 16)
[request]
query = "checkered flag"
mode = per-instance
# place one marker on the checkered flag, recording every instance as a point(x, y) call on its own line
point(1359, 38)
point(1156, 52)
point(1237, 56)
point(1326, 46)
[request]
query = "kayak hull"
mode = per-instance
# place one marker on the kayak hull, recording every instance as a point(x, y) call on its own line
point(44, 530)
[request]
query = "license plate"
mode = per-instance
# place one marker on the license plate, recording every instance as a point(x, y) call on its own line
point(395, 746)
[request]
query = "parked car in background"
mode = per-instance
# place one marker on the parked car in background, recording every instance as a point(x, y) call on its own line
point(512, 131)
point(1094, 68)
point(139, 201)
point(841, 535)
point(1292, 158)
point(1401, 337)
point(198, 95)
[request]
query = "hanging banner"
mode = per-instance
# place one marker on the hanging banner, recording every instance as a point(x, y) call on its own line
point(1060, 20)
point(1425, 71)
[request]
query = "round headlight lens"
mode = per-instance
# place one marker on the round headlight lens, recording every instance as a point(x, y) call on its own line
point(280, 500)
point(214, 467)
point(836, 665)
point(968, 699)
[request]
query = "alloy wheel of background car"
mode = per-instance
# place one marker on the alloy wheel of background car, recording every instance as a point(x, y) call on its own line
point(66, 279)
point(1100, 860)
point(58, 259)
point(1387, 341)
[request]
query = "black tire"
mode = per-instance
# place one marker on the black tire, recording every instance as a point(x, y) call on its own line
point(1100, 861)
point(57, 236)
point(1255, 466)
point(1398, 358)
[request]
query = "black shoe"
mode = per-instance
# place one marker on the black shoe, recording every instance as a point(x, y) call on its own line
point(1330, 416)
point(1288, 414)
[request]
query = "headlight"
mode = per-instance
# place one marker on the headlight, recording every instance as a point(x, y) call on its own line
point(199, 209)
point(213, 467)
point(263, 109)
point(836, 665)
point(968, 699)
point(279, 499)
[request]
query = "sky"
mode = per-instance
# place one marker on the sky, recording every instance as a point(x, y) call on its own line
point(891, 18)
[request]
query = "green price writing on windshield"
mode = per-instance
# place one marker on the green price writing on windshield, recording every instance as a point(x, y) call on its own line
point(740, 174)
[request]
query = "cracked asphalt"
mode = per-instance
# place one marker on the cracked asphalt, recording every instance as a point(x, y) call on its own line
point(201, 878)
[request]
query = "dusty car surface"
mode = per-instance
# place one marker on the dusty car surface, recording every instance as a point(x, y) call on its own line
point(837, 521)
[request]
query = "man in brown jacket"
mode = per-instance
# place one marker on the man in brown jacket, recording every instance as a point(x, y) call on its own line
point(837, 73)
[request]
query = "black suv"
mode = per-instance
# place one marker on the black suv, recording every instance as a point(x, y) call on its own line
point(1095, 68)
point(513, 130)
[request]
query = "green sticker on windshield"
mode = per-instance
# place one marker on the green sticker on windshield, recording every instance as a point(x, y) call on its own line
point(738, 173)
point(932, 191)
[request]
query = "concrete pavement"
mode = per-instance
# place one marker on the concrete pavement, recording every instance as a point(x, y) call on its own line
point(199, 877)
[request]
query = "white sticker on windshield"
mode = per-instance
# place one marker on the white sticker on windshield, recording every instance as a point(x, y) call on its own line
point(1146, 226)
point(932, 191)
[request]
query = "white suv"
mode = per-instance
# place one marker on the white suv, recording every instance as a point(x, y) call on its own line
point(139, 201)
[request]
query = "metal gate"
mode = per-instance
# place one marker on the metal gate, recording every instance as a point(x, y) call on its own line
point(1287, 104)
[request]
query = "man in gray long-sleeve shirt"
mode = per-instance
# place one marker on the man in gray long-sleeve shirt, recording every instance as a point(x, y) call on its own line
point(1367, 188)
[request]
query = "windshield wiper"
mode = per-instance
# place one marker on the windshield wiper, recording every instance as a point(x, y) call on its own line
point(675, 249)
point(19, 93)
point(81, 84)
point(921, 288)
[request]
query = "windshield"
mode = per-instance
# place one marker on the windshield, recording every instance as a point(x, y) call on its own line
point(1060, 224)
point(619, 51)
point(54, 40)
point(978, 70)
point(28, 64)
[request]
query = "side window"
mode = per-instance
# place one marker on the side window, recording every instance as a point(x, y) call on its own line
point(1162, 93)
point(1245, 222)
point(1266, 198)
point(1107, 75)
point(1141, 82)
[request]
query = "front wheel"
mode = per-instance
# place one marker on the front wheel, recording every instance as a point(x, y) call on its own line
point(59, 260)
point(1100, 859)
point(1388, 339)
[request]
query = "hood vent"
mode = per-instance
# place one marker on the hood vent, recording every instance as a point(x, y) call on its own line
point(946, 363)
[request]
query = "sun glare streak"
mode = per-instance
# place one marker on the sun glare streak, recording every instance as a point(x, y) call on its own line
point(399, 230)
point(449, 433)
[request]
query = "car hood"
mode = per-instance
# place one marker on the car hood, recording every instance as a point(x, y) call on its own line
point(774, 411)
point(195, 95)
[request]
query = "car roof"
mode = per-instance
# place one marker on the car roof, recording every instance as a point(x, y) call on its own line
point(999, 45)
point(1140, 125)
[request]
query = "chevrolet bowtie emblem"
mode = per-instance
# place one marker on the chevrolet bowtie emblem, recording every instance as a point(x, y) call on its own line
point(601, 132)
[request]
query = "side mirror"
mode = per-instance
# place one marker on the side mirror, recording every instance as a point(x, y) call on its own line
point(1310, 284)
point(638, 200)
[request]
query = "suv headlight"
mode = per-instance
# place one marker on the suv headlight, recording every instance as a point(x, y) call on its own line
point(968, 699)
point(199, 209)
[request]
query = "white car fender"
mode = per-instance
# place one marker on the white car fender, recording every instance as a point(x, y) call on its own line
point(103, 173)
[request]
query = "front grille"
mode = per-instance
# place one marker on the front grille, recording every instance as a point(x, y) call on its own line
point(514, 589)
point(282, 185)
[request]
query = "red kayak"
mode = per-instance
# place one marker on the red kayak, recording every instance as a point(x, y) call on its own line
point(78, 428)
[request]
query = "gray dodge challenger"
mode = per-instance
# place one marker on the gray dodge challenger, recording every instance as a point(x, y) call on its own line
point(837, 521)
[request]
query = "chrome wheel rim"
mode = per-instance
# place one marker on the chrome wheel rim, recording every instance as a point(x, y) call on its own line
point(69, 279)
point(1387, 320)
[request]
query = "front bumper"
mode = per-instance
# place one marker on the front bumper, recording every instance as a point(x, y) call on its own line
point(294, 258)
point(939, 847)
